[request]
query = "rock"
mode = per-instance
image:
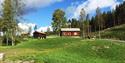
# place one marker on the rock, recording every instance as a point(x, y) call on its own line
point(19, 61)
point(93, 38)
point(2, 56)
point(8, 61)
point(32, 61)
point(26, 62)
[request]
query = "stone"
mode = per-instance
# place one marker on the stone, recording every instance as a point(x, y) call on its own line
point(32, 61)
point(2, 56)
point(19, 61)
point(26, 62)
point(8, 61)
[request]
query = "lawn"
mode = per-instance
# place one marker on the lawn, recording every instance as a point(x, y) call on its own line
point(117, 32)
point(67, 50)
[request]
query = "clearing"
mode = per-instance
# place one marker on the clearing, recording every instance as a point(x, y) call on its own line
point(66, 50)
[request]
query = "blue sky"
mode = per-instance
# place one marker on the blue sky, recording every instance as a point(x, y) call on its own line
point(42, 16)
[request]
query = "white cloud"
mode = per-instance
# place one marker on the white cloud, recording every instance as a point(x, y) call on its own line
point(44, 29)
point(70, 11)
point(25, 27)
point(33, 5)
point(1, 1)
point(91, 5)
point(39, 3)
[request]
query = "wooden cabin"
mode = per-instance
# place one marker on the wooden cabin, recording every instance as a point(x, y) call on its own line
point(70, 32)
point(40, 35)
point(25, 34)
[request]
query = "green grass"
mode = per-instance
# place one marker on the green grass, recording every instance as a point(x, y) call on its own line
point(117, 32)
point(67, 50)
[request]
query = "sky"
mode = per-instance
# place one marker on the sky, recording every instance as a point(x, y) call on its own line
point(39, 12)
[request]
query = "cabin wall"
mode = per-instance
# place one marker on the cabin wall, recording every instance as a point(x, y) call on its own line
point(70, 33)
point(39, 35)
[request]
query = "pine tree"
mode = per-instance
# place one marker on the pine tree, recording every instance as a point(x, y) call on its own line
point(87, 26)
point(98, 12)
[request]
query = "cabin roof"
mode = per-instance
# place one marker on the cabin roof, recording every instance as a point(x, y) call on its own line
point(70, 29)
point(39, 32)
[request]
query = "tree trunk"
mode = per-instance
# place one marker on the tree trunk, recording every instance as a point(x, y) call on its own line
point(99, 31)
point(12, 39)
point(99, 27)
point(7, 41)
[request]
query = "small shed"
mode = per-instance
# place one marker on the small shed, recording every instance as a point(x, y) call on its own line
point(70, 32)
point(40, 35)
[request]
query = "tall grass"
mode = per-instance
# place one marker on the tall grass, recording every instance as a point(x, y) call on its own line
point(67, 50)
point(117, 32)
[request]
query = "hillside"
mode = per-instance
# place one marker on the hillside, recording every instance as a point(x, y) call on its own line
point(66, 50)
point(117, 32)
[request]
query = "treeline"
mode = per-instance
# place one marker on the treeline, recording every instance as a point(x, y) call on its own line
point(97, 23)
point(110, 18)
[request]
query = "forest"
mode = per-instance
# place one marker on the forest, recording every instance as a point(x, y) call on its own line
point(90, 25)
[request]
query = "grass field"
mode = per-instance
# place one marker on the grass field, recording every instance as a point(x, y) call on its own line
point(117, 32)
point(67, 50)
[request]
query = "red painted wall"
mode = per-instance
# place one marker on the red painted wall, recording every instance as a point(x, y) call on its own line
point(70, 33)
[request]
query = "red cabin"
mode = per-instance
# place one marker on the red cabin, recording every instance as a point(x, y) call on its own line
point(70, 32)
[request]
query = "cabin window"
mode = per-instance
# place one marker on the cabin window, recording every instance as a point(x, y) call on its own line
point(75, 33)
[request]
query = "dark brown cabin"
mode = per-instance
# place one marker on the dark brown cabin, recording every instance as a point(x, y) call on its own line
point(70, 32)
point(40, 35)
